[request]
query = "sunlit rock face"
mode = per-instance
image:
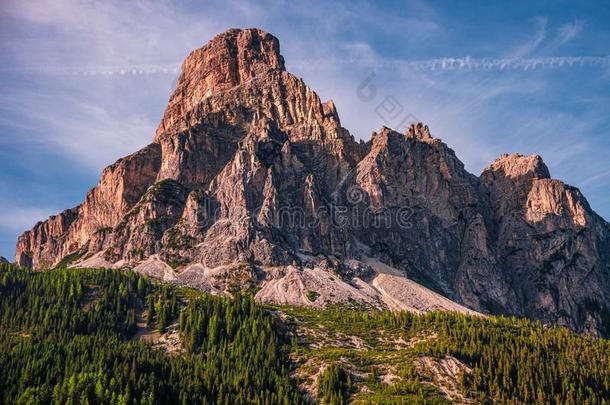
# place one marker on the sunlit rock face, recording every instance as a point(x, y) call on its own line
point(249, 169)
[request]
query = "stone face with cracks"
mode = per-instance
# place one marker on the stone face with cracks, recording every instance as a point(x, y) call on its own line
point(250, 170)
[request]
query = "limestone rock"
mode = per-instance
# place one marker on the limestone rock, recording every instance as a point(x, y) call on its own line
point(554, 249)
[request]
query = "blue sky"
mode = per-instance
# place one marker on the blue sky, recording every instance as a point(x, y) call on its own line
point(84, 83)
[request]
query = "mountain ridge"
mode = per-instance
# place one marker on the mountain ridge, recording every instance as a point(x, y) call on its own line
point(249, 170)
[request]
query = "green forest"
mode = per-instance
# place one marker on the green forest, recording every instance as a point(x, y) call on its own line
point(66, 339)
point(74, 337)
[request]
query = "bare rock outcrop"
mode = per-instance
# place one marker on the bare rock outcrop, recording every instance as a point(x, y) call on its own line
point(442, 240)
point(554, 249)
point(250, 170)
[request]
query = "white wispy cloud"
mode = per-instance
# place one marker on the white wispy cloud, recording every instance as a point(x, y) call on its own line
point(540, 34)
point(569, 31)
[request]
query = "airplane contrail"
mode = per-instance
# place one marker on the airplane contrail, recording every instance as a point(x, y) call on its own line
point(440, 64)
point(468, 63)
point(462, 63)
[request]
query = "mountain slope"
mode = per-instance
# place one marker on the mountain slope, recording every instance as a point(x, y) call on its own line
point(250, 176)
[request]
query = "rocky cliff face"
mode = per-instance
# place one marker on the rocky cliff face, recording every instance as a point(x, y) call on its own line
point(251, 179)
point(553, 248)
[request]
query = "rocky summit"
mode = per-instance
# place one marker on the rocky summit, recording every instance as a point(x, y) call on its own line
point(252, 182)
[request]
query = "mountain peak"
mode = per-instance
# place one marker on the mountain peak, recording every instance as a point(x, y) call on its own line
point(229, 59)
point(518, 165)
point(419, 131)
point(249, 52)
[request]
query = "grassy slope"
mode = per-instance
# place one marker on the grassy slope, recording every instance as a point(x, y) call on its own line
point(509, 360)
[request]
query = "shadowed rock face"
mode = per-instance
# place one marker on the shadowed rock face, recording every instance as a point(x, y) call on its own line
point(249, 166)
point(553, 248)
